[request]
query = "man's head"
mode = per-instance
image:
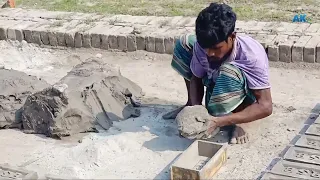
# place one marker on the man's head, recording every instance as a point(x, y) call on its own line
point(215, 30)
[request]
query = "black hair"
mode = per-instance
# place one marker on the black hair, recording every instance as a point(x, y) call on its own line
point(215, 24)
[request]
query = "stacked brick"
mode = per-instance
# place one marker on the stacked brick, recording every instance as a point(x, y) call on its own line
point(285, 42)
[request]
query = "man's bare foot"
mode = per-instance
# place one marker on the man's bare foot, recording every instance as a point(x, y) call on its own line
point(172, 114)
point(240, 135)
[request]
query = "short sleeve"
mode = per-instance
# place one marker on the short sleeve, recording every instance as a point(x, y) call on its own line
point(258, 77)
point(198, 61)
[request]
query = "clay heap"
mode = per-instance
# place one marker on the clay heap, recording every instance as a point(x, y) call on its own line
point(193, 122)
point(92, 93)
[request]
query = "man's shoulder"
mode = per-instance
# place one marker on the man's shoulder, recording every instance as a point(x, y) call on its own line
point(250, 47)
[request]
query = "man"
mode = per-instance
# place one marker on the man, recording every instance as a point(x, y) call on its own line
point(234, 70)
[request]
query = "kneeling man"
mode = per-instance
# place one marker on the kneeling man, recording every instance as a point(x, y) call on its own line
point(234, 69)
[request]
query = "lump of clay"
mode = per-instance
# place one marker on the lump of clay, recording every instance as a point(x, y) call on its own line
point(15, 86)
point(91, 93)
point(192, 122)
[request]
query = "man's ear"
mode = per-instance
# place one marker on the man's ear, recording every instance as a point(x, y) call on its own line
point(233, 35)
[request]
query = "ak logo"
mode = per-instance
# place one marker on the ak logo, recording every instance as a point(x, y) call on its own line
point(301, 18)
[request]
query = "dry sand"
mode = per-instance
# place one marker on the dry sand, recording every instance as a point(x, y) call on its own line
point(144, 147)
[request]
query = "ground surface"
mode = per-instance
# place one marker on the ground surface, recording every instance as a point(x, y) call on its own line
point(265, 10)
point(145, 147)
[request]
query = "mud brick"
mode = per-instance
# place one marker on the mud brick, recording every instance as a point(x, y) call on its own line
point(273, 52)
point(270, 176)
point(285, 49)
point(169, 45)
point(10, 172)
point(184, 21)
point(159, 21)
point(144, 20)
point(104, 41)
point(271, 27)
point(318, 53)
point(191, 23)
point(15, 32)
point(70, 39)
point(78, 40)
point(86, 40)
point(113, 34)
point(313, 130)
point(141, 42)
point(74, 35)
point(303, 155)
point(64, 32)
point(287, 28)
point(52, 39)
point(257, 28)
point(96, 40)
point(310, 49)
point(97, 31)
point(249, 25)
point(122, 42)
point(131, 43)
point(174, 21)
point(306, 141)
point(265, 39)
point(151, 44)
point(122, 37)
point(31, 35)
point(313, 28)
point(105, 32)
point(40, 35)
point(296, 170)
point(160, 48)
point(302, 27)
point(298, 47)
point(240, 26)
point(4, 25)
point(113, 41)
point(273, 47)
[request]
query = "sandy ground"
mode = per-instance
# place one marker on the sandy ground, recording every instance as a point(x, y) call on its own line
point(144, 147)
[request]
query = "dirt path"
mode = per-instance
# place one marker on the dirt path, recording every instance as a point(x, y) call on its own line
point(144, 147)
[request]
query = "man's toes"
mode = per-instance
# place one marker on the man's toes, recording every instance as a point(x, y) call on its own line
point(233, 140)
point(246, 138)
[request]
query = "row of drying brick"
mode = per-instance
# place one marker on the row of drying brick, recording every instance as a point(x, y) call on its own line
point(159, 21)
point(288, 48)
point(301, 159)
point(76, 33)
point(97, 35)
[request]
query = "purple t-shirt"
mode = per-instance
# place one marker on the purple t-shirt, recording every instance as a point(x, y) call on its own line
point(247, 54)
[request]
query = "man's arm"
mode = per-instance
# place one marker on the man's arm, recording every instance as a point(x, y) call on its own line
point(196, 90)
point(261, 109)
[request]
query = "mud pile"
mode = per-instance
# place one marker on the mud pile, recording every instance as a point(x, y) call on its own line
point(91, 93)
point(193, 122)
point(15, 87)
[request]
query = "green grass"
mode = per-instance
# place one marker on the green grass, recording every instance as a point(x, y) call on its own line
point(266, 10)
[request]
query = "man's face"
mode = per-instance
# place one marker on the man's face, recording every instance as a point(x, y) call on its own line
point(222, 50)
